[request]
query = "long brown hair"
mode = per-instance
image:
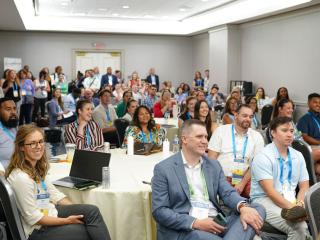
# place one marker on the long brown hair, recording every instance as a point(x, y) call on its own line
point(60, 102)
point(208, 120)
point(18, 159)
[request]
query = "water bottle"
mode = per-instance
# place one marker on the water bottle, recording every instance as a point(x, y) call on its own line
point(175, 144)
point(218, 117)
point(106, 177)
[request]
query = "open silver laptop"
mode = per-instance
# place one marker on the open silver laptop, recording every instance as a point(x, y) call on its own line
point(86, 170)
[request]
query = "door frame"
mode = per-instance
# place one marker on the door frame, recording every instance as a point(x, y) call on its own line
point(86, 50)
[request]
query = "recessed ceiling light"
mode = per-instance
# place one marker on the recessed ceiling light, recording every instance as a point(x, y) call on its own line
point(204, 0)
point(182, 9)
point(165, 17)
point(148, 16)
point(125, 6)
point(115, 14)
point(64, 4)
point(102, 9)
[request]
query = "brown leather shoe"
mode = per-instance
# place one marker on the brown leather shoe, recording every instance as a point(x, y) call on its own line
point(295, 214)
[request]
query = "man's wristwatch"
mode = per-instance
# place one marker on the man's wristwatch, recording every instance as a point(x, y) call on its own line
point(241, 205)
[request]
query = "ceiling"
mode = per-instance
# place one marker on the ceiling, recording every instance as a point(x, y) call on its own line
point(175, 17)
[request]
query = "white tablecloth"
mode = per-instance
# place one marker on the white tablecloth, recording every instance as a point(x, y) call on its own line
point(126, 206)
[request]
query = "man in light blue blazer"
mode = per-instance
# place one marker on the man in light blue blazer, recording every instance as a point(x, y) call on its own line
point(184, 195)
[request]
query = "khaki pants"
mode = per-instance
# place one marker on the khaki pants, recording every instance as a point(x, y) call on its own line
point(295, 231)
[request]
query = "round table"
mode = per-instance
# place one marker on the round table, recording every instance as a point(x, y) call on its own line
point(126, 206)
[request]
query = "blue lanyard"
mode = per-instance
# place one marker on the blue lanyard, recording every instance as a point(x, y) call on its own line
point(7, 131)
point(15, 87)
point(234, 145)
point(282, 166)
point(145, 138)
point(188, 115)
point(255, 122)
point(43, 185)
point(315, 120)
point(88, 141)
point(108, 116)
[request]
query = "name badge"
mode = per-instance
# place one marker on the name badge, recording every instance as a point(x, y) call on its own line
point(43, 201)
point(23, 92)
point(15, 93)
point(199, 210)
point(238, 171)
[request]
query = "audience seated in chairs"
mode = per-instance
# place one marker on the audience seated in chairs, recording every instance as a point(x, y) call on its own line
point(276, 171)
point(309, 125)
point(187, 180)
point(84, 132)
point(229, 110)
point(56, 110)
point(234, 146)
point(143, 129)
point(130, 109)
point(188, 112)
point(50, 215)
point(202, 113)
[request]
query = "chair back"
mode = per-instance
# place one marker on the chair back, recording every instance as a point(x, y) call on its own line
point(53, 135)
point(306, 150)
point(121, 126)
point(10, 212)
point(268, 135)
point(266, 113)
point(312, 204)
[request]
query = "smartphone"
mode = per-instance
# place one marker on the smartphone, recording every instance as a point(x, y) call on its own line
point(220, 219)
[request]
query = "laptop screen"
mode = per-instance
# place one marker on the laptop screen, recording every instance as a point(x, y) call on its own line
point(88, 164)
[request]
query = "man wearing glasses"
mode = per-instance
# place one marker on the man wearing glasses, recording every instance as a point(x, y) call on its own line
point(8, 129)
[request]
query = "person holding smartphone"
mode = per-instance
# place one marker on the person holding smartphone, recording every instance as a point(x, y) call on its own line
point(45, 212)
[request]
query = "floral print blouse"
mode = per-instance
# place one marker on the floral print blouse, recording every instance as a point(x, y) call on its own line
point(157, 135)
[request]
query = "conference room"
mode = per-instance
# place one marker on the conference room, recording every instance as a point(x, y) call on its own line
point(117, 83)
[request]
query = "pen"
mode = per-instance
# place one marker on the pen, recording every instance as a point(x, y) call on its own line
point(145, 182)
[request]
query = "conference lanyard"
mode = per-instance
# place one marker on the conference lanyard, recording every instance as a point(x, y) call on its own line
point(15, 87)
point(145, 138)
point(108, 116)
point(244, 149)
point(88, 141)
point(282, 167)
point(43, 185)
point(7, 131)
point(315, 120)
point(188, 115)
point(204, 187)
point(255, 122)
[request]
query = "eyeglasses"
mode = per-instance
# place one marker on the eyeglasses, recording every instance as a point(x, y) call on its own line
point(33, 145)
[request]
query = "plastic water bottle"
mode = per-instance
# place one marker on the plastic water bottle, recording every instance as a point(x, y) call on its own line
point(218, 117)
point(175, 144)
point(105, 177)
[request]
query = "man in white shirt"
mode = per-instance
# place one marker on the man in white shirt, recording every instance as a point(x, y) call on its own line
point(234, 146)
point(184, 195)
point(92, 82)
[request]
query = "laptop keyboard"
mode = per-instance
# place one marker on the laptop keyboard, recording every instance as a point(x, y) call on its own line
point(74, 180)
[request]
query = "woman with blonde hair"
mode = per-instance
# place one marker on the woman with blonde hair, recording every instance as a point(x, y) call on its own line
point(46, 213)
